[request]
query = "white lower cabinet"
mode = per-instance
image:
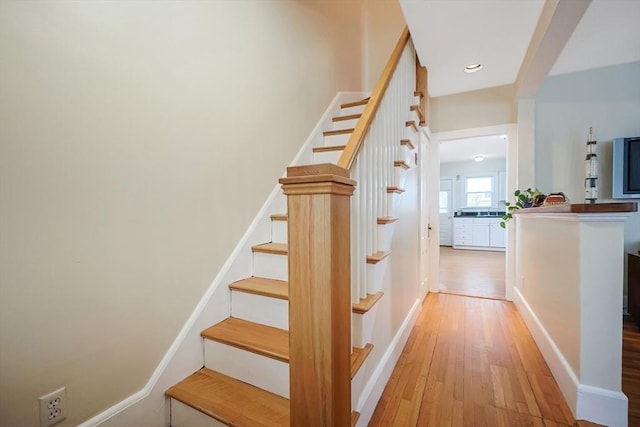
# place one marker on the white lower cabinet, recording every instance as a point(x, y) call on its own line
point(478, 233)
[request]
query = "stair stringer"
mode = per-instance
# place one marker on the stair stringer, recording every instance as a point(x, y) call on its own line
point(149, 406)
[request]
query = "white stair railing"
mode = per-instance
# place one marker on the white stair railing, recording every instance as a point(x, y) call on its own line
point(373, 169)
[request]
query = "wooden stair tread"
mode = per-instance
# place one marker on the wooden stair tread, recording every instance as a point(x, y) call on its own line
point(346, 117)
point(401, 164)
point(271, 248)
point(230, 401)
point(418, 93)
point(387, 219)
point(412, 124)
point(264, 340)
point(254, 337)
point(234, 402)
point(394, 189)
point(377, 257)
point(407, 143)
point(355, 103)
point(262, 286)
point(279, 217)
point(367, 303)
point(337, 132)
point(358, 356)
point(328, 148)
point(280, 289)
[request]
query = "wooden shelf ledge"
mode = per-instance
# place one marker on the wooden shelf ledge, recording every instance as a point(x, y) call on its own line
point(407, 143)
point(582, 208)
point(377, 257)
point(367, 303)
point(271, 248)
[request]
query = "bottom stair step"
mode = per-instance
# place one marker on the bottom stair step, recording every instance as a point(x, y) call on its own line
point(233, 402)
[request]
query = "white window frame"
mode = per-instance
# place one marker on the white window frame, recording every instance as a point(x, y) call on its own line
point(494, 189)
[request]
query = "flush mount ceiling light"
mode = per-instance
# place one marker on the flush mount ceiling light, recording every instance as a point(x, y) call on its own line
point(478, 158)
point(472, 68)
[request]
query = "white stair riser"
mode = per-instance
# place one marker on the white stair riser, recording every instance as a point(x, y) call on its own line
point(411, 133)
point(263, 372)
point(399, 176)
point(333, 140)
point(385, 235)
point(185, 416)
point(416, 100)
point(260, 309)
point(413, 115)
point(279, 231)
point(352, 110)
point(393, 204)
point(327, 157)
point(375, 276)
point(357, 385)
point(270, 266)
point(364, 326)
point(407, 155)
point(345, 124)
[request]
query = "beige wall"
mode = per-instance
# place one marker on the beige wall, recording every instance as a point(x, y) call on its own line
point(383, 25)
point(478, 108)
point(138, 141)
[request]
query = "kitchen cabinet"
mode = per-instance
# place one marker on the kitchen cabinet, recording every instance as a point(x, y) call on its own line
point(478, 233)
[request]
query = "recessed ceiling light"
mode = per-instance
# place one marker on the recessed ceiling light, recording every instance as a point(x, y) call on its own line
point(478, 158)
point(472, 68)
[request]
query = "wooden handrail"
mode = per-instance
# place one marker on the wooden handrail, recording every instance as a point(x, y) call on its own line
point(350, 152)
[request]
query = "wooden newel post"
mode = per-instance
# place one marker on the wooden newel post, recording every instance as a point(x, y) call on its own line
point(318, 199)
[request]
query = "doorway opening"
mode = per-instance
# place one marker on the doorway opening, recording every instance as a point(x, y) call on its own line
point(473, 189)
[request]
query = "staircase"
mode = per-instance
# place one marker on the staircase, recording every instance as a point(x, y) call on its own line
point(245, 377)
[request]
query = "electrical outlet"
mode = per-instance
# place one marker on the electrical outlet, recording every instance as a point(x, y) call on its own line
point(53, 407)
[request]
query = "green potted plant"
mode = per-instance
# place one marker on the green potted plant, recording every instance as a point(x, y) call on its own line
point(523, 199)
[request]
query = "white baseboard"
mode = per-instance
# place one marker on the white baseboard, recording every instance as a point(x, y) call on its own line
point(378, 380)
point(586, 402)
point(602, 406)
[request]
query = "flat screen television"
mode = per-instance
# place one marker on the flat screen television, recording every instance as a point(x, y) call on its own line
point(626, 168)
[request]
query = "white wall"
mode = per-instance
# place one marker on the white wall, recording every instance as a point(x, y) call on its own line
point(459, 170)
point(608, 99)
point(138, 141)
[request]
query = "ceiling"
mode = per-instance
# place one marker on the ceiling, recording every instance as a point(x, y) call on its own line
point(450, 34)
point(464, 150)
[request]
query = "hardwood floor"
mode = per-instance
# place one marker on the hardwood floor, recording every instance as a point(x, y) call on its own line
point(631, 369)
point(471, 362)
point(473, 273)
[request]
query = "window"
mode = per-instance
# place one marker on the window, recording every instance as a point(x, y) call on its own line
point(479, 191)
point(444, 202)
